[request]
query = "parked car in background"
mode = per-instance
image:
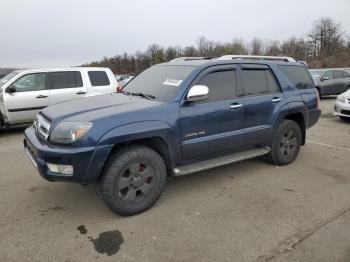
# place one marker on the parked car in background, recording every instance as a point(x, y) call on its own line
point(173, 119)
point(330, 82)
point(342, 106)
point(24, 93)
point(121, 77)
point(125, 81)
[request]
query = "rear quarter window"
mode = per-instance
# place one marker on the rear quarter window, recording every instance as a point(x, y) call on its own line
point(98, 78)
point(298, 76)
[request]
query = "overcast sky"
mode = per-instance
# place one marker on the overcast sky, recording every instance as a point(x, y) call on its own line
point(52, 33)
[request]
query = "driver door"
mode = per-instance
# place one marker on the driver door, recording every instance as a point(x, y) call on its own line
point(214, 125)
point(29, 96)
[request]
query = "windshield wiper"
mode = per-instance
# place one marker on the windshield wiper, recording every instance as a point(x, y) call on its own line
point(144, 95)
point(147, 96)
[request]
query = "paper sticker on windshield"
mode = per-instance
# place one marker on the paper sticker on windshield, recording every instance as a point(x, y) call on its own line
point(172, 82)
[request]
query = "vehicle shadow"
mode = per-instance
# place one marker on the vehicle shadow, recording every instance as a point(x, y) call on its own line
point(86, 200)
point(12, 131)
point(330, 97)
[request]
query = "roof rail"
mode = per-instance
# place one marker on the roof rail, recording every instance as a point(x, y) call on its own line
point(303, 63)
point(183, 59)
point(257, 57)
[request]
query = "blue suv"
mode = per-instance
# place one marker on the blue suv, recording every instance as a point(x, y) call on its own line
point(173, 119)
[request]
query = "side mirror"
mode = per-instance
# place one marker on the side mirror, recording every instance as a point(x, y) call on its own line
point(324, 78)
point(198, 93)
point(11, 89)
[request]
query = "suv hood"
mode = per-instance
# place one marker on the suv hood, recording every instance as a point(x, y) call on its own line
point(96, 107)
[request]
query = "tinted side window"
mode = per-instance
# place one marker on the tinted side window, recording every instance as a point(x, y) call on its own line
point(254, 82)
point(69, 79)
point(98, 78)
point(338, 74)
point(271, 83)
point(328, 74)
point(78, 79)
point(222, 85)
point(31, 82)
point(298, 76)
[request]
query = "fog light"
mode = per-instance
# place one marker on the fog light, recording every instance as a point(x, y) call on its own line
point(61, 169)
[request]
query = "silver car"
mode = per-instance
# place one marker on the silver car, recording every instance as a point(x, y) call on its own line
point(331, 81)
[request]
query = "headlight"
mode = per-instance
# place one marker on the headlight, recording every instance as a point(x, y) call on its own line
point(69, 132)
point(341, 99)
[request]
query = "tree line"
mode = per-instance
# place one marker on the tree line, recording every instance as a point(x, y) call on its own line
point(326, 45)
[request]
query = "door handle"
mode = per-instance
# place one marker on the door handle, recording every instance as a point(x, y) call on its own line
point(81, 93)
point(276, 99)
point(41, 96)
point(235, 106)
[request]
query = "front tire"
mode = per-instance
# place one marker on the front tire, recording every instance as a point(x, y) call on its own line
point(133, 180)
point(286, 143)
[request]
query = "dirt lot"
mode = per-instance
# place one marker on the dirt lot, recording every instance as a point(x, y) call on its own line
point(250, 211)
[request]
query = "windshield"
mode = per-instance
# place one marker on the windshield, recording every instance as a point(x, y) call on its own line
point(6, 78)
point(316, 74)
point(161, 81)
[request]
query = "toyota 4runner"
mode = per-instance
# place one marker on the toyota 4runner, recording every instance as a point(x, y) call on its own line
point(175, 118)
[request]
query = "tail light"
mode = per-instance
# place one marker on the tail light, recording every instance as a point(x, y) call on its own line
point(118, 89)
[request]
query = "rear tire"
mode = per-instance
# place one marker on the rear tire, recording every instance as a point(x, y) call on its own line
point(133, 180)
point(286, 143)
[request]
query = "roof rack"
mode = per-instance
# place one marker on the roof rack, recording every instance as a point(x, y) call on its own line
point(193, 58)
point(243, 57)
point(257, 57)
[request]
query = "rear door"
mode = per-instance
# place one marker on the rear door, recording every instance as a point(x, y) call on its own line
point(30, 96)
point(66, 85)
point(341, 82)
point(214, 125)
point(262, 99)
point(328, 83)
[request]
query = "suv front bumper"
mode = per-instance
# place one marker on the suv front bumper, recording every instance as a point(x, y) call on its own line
point(87, 162)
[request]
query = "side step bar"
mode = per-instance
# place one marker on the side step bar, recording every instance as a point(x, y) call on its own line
point(220, 161)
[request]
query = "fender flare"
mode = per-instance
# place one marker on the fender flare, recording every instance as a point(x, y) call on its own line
point(144, 130)
point(292, 108)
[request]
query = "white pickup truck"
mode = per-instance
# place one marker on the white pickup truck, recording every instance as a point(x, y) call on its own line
point(24, 93)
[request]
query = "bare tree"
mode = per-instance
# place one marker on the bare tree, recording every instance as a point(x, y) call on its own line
point(256, 47)
point(272, 48)
point(297, 48)
point(324, 46)
point(239, 47)
point(170, 53)
point(156, 53)
point(189, 51)
point(326, 37)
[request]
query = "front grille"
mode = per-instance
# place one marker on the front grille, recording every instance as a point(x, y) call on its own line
point(42, 126)
point(345, 112)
